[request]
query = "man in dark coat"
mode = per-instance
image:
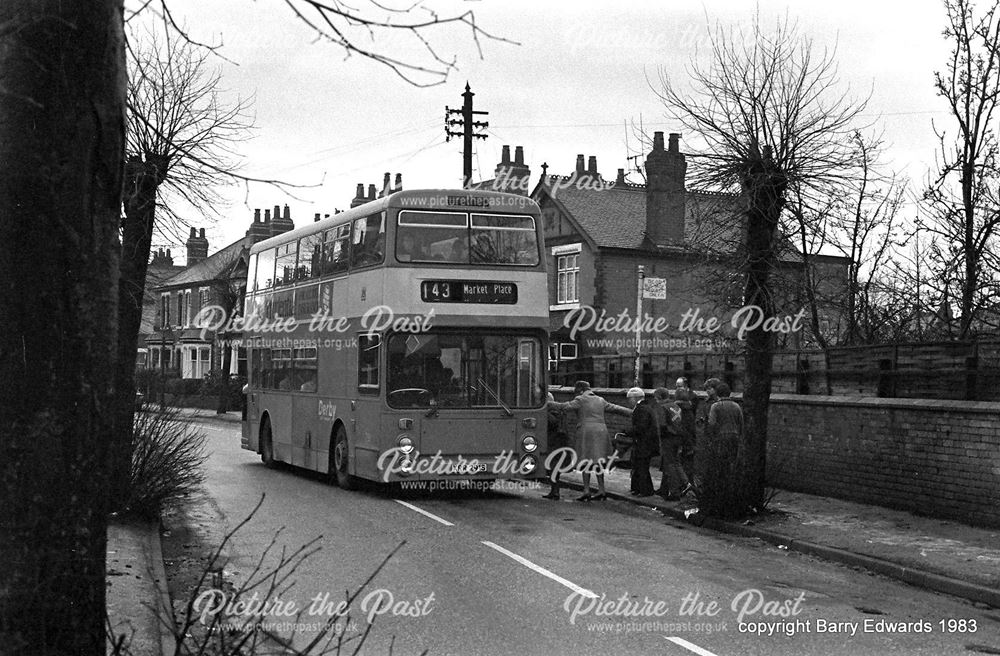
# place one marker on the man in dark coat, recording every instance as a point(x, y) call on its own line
point(645, 434)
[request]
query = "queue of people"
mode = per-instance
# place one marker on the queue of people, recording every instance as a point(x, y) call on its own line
point(666, 425)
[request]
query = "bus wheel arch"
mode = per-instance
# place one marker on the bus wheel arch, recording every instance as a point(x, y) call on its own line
point(265, 442)
point(340, 458)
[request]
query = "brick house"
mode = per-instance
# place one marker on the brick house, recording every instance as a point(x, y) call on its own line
point(598, 233)
point(217, 279)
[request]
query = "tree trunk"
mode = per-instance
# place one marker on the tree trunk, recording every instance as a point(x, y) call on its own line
point(762, 225)
point(62, 70)
point(141, 182)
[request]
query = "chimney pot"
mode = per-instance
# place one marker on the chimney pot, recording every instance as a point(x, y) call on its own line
point(592, 165)
point(316, 218)
point(194, 233)
point(675, 138)
point(277, 213)
point(288, 213)
point(360, 193)
point(168, 252)
point(398, 185)
point(505, 155)
point(519, 154)
point(621, 177)
point(267, 216)
point(371, 192)
point(256, 215)
point(201, 233)
point(657, 141)
point(579, 164)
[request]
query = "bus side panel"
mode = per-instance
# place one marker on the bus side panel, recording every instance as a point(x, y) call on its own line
point(279, 408)
point(366, 436)
point(303, 430)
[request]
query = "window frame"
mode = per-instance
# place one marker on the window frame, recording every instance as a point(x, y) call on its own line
point(369, 388)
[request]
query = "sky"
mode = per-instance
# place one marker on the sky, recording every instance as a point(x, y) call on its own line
point(581, 79)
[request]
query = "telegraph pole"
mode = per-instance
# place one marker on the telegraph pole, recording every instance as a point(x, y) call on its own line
point(467, 133)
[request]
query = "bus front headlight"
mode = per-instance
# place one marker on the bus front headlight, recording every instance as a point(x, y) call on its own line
point(405, 444)
point(528, 443)
point(528, 464)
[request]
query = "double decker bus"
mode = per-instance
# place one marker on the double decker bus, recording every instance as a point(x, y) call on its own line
point(403, 339)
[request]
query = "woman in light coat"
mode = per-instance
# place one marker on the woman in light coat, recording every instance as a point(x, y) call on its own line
point(592, 441)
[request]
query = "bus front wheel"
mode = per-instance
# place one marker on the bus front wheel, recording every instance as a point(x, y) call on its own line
point(266, 444)
point(339, 461)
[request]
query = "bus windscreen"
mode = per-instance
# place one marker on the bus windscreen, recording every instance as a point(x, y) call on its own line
point(464, 371)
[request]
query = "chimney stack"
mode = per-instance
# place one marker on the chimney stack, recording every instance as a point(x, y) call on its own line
point(512, 177)
point(359, 196)
point(197, 247)
point(665, 192)
point(258, 231)
point(279, 223)
point(316, 218)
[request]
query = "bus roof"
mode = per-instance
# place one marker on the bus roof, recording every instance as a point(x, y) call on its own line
point(504, 202)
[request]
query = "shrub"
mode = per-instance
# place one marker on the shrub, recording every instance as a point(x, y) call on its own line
point(167, 458)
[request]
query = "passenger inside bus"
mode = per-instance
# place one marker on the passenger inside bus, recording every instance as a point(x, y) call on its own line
point(410, 249)
point(459, 251)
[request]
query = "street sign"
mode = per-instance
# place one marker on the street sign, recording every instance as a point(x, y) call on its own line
point(655, 288)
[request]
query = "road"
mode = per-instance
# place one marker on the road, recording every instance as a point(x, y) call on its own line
point(506, 572)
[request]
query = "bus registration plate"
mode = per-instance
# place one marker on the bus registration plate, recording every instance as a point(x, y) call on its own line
point(466, 468)
point(468, 291)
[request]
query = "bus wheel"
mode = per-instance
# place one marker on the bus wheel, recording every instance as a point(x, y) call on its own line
point(266, 444)
point(339, 461)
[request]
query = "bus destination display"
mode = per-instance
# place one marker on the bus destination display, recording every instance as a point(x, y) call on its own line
point(468, 291)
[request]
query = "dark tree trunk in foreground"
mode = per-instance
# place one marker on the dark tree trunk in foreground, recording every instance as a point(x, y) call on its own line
point(62, 93)
point(766, 192)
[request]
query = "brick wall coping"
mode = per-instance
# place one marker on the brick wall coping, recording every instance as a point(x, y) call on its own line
point(978, 407)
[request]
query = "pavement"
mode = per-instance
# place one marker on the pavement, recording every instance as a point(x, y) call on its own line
point(935, 554)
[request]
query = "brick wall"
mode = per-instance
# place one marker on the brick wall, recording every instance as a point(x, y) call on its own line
point(931, 457)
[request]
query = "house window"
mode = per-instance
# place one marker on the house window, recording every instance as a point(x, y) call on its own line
point(567, 351)
point(180, 309)
point(187, 308)
point(568, 278)
point(164, 310)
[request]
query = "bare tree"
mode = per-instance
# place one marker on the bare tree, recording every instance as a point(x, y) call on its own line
point(859, 219)
point(62, 120)
point(62, 145)
point(767, 107)
point(181, 146)
point(961, 203)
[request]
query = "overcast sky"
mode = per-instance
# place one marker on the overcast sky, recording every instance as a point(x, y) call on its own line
point(581, 73)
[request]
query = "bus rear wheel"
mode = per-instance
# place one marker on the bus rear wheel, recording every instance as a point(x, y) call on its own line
point(266, 444)
point(338, 461)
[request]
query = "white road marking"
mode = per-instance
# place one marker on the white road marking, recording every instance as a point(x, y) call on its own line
point(424, 512)
point(690, 646)
point(541, 570)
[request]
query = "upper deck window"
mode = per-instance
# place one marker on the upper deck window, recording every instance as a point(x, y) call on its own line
point(368, 241)
point(503, 239)
point(433, 237)
point(448, 237)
